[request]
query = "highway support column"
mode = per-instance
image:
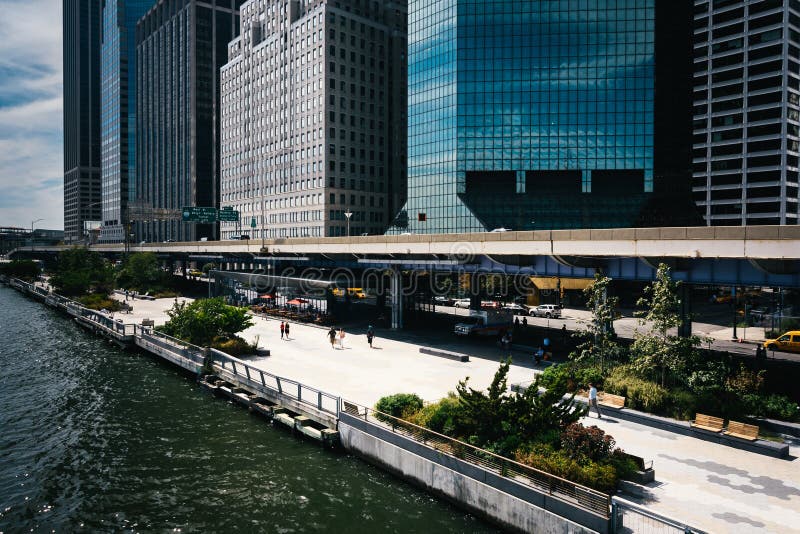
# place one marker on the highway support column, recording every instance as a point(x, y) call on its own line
point(396, 286)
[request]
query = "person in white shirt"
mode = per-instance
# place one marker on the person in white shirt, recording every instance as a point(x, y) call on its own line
point(593, 401)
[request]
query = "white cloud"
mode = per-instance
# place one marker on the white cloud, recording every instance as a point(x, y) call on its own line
point(31, 133)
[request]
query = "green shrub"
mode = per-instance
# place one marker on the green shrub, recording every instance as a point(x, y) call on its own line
point(575, 376)
point(640, 394)
point(587, 442)
point(600, 476)
point(235, 346)
point(771, 406)
point(438, 416)
point(684, 404)
point(100, 301)
point(400, 405)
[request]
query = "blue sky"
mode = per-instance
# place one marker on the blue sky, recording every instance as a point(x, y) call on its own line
point(31, 132)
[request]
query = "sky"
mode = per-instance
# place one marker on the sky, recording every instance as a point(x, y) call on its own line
point(31, 104)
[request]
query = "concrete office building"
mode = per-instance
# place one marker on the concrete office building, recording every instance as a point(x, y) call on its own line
point(313, 118)
point(118, 112)
point(533, 115)
point(81, 55)
point(180, 47)
point(746, 111)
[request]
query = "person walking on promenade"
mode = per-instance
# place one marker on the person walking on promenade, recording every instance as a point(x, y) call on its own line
point(332, 336)
point(593, 401)
point(538, 355)
point(283, 328)
point(287, 330)
point(341, 338)
point(370, 336)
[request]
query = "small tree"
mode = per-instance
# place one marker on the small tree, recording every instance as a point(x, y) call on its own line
point(80, 271)
point(141, 271)
point(600, 345)
point(658, 350)
point(203, 320)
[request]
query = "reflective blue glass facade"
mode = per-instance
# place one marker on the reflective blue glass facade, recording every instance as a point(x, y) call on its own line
point(529, 114)
point(118, 103)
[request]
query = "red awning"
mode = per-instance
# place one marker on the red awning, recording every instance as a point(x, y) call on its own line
point(265, 296)
point(296, 302)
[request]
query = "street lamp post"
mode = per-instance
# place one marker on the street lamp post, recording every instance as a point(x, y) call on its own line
point(348, 214)
point(32, 223)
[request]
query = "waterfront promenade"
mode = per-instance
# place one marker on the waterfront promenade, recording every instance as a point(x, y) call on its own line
point(713, 487)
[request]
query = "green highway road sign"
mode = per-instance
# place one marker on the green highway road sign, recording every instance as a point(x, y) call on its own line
point(228, 215)
point(199, 214)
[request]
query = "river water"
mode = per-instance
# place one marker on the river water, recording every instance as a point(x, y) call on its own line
point(93, 438)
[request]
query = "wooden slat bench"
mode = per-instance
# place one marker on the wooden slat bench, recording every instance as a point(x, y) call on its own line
point(612, 401)
point(708, 422)
point(742, 430)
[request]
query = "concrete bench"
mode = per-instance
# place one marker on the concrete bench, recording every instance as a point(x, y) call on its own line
point(444, 354)
point(611, 401)
point(742, 431)
point(708, 422)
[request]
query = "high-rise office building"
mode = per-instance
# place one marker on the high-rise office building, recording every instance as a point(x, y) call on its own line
point(81, 39)
point(746, 100)
point(560, 114)
point(180, 47)
point(118, 112)
point(313, 118)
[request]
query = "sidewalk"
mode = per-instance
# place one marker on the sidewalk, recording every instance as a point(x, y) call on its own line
point(713, 487)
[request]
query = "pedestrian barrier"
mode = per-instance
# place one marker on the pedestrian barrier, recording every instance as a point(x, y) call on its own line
point(575, 494)
point(630, 518)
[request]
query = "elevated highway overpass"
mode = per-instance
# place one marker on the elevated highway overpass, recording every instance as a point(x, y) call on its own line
point(739, 255)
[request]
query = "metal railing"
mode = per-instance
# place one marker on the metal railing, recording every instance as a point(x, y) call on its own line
point(300, 392)
point(189, 351)
point(581, 496)
point(628, 517)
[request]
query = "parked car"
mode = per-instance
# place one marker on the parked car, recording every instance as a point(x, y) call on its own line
point(441, 300)
point(490, 304)
point(545, 310)
point(514, 307)
point(789, 342)
point(461, 303)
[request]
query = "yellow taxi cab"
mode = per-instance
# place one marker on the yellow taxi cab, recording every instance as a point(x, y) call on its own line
point(789, 342)
point(354, 292)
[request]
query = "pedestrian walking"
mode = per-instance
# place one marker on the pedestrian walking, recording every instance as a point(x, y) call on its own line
point(538, 355)
point(370, 336)
point(341, 338)
point(524, 321)
point(593, 401)
point(564, 334)
point(332, 336)
point(287, 331)
point(283, 329)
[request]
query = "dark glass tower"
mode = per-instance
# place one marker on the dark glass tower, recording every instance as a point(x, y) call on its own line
point(81, 116)
point(180, 47)
point(534, 115)
point(118, 103)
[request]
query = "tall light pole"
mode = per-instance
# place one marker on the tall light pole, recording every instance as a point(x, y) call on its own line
point(348, 214)
point(32, 223)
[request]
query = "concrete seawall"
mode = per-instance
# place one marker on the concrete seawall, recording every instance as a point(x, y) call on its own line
point(485, 494)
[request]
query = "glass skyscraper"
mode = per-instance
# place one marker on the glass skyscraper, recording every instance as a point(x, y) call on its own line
point(180, 47)
point(81, 116)
point(542, 114)
point(118, 103)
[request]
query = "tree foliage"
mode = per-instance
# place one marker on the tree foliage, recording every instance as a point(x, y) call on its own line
point(600, 346)
point(658, 352)
point(201, 321)
point(141, 272)
point(503, 422)
point(27, 270)
point(80, 271)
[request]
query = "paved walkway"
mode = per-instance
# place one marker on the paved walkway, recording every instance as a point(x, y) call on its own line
point(712, 487)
